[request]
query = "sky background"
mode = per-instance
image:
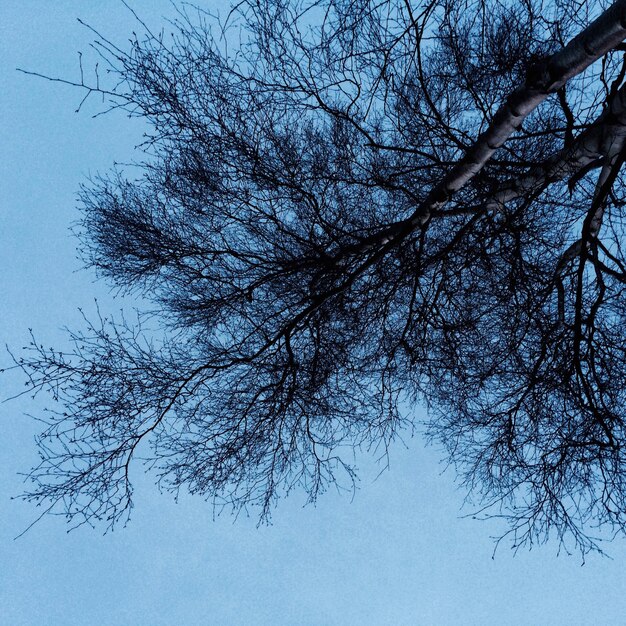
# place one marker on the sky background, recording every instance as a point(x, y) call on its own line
point(399, 552)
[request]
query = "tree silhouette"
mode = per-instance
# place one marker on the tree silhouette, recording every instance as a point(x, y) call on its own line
point(362, 206)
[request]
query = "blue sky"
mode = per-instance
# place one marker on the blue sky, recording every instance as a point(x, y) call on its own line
point(399, 552)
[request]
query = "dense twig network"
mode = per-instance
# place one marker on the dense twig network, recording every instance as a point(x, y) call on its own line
point(347, 208)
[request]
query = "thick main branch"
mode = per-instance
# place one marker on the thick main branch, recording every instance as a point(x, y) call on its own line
point(596, 144)
point(545, 78)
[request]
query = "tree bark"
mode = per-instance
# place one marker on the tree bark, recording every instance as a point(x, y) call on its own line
point(544, 79)
point(600, 141)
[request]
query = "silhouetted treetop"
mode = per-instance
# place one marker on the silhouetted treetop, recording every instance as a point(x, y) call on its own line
point(347, 209)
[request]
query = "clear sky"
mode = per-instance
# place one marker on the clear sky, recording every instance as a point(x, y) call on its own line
point(399, 552)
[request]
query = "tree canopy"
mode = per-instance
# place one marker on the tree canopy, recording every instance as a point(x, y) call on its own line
point(346, 209)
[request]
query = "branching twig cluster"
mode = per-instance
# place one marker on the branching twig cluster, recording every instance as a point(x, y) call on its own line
point(365, 203)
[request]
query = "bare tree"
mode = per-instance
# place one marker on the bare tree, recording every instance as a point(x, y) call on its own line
point(363, 206)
